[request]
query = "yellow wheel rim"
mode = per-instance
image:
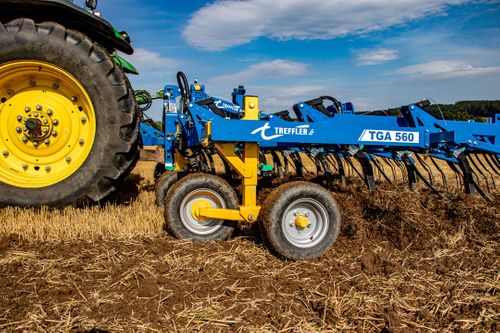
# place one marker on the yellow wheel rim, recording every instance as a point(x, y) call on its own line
point(47, 124)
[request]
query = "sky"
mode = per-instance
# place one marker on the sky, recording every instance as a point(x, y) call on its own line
point(373, 53)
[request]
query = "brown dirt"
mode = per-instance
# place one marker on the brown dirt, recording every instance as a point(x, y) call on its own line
point(405, 261)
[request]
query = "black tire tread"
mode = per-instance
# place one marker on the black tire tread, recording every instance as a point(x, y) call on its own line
point(270, 224)
point(123, 153)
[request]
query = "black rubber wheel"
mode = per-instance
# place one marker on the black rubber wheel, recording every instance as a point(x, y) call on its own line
point(300, 220)
point(116, 144)
point(195, 188)
point(164, 184)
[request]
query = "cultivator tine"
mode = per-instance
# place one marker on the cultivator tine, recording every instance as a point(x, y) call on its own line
point(467, 174)
point(443, 176)
point(327, 171)
point(458, 174)
point(365, 162)
point(380, 169)
point(492, 162)
point(277, 164)
point(478, 159)
point(285, 162)
point(340, 168)
point(389, 162)
point(426, 168)
point(410, 170)
point(474, 164)
point(299, 166)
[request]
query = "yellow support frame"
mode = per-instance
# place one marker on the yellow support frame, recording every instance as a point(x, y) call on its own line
point(247, 167)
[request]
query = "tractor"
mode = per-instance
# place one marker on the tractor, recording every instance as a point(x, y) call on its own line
point(69, 122)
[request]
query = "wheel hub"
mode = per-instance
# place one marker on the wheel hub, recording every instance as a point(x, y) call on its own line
point(47, 124)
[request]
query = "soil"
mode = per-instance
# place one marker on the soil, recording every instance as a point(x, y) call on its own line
point(404, 261)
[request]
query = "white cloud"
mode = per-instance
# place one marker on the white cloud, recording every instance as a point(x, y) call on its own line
point(145, 59)
point(226, 23)
point(274, 69)
point(376, 57)
point(445, 69)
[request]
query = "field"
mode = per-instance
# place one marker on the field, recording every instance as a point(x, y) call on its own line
point(405, 261)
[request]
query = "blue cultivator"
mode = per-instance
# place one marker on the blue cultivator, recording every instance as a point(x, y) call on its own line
point(301, 219)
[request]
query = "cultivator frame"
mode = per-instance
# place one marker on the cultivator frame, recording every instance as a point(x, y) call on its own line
point(331, 136)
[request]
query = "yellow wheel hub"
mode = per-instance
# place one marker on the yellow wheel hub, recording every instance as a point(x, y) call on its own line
point(301, 221)
point(47, 124)
point(197, 205)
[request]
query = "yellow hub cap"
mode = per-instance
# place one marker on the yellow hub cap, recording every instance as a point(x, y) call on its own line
point(197, 205)
point(47, 124)
point(301, 221)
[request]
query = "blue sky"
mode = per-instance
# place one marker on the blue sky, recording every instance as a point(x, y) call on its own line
point(376, 54)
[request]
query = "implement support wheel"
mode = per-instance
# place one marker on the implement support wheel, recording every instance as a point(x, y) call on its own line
point(300, 220)
point(199, 191)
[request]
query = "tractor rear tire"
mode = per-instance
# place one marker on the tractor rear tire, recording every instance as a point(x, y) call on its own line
point(72, 86)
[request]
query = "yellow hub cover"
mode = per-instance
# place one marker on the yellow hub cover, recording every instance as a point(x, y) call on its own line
point(47, 124)
point(301, 221)
point(197, 205)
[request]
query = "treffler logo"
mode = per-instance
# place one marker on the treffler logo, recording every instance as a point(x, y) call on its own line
point(300, 130)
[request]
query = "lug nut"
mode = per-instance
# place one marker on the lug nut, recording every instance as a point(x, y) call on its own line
point(49, 112)
point(27, 109)
point(25, 166)
point(46, 141)
point(55, 85)
point(45, 121)
point(35, 144)
point(35, 114)
point(68, 159)
point(44, 130)
point(47, 168)
point(19, 129)
point(74, 99)
point(25, 139)
point(10, 92)
point(5, 153)
point(38, 107)
point(19, 118)
point(81, 142)
point(55, 122)
point(84, 120)
point(54, 133)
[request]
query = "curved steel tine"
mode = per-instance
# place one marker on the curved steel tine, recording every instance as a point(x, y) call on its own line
point(426, 168)
point(341, 169)
point(380, 169)
point(327, 171)
point(467, 175)
point(330, 160)
point(486, 169)
point(299, 166)
point(402, 167)
point(474, 164)
point(391, 166)
point(366, 165)
point(319, 169)
point(359, 173)
point(443, 175)
point(277, 164)
point(491, 163)
point(410, 169)
point(458, 173)
point(285, 162)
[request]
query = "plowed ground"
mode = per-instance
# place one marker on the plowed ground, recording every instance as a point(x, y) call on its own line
point(405, 261)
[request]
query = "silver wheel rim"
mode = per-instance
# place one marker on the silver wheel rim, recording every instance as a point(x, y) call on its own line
point(201, 228)
point(315, 232)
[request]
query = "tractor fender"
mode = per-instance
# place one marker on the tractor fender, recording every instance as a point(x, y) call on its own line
point(71, 16)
